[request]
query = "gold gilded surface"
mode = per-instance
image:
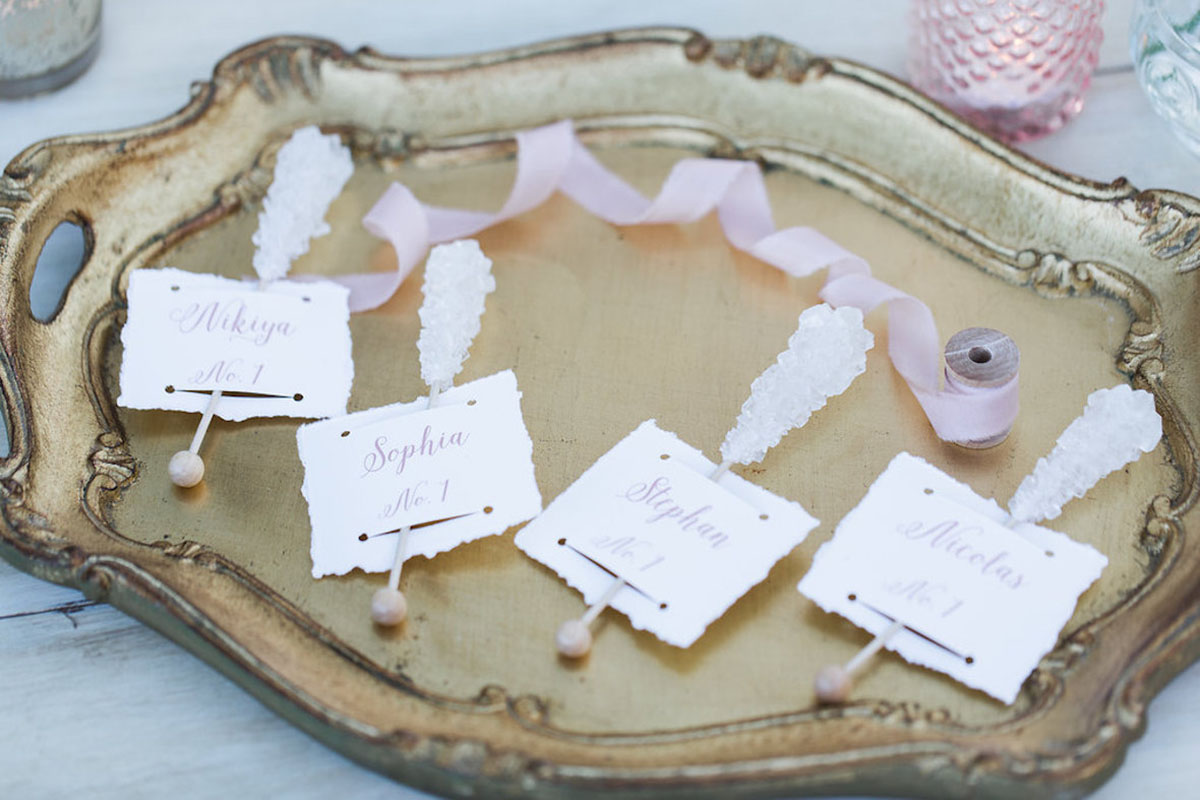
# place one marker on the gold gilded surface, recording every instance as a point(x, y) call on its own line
point(606, 327)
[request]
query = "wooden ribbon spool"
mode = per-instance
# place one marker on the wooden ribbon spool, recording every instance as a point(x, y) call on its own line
point(982, 358)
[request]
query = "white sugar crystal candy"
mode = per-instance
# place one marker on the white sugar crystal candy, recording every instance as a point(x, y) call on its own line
point(458, 276)
point(310, 171)
point(1117, 426)
point(825, 354)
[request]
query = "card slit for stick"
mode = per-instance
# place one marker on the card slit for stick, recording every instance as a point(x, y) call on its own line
point(853, 598)
point(362, 537)
point(233, 394)
point(662, 606)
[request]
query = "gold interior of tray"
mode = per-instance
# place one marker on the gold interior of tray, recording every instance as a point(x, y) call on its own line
point(606, 327)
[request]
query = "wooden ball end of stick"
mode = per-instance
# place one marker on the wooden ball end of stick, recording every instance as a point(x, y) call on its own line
point(832, 685)
point(388, 607)
point(982, 358)
point(186, 469)
point(573, 639)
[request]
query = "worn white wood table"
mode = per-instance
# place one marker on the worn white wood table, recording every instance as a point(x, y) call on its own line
point(91, 701)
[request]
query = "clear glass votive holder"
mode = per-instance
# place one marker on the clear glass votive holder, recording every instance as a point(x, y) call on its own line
point(1018, 69)
point(1164, 43)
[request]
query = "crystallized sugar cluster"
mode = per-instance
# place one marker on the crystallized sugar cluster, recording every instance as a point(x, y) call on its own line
point(310, 171)
point(1118, 425)
point(827, 352)
point(458, 276)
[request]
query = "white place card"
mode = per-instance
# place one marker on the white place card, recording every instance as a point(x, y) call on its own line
point(687, 546)
point(456, 472)
point(282, 351)
point(981, 602)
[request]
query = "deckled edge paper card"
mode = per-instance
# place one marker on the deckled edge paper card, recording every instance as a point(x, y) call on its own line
point(687, 546)
point(981, 602)
point(280, 351)
point(466, 466)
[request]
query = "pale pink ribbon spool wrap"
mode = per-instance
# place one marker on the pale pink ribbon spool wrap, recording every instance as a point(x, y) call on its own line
point(551, 159)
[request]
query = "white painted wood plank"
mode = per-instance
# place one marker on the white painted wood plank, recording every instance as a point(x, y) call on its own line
point(1163, 762)
point(1115, 49)
point(94, 703)
point(24, 594)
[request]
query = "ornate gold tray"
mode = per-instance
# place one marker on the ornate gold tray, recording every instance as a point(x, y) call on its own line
point(606, 327)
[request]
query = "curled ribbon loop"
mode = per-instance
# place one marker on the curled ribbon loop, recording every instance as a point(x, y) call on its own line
point(551, 159)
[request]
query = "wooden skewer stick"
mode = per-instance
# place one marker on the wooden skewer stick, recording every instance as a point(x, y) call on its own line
point(833, 683)
point(388, 606)
point(186, 467)
point(574, 637)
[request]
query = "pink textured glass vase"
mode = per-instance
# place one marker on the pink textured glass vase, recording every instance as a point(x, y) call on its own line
point(1016, 68)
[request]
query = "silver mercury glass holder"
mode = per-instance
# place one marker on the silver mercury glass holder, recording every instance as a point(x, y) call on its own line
point(46, 44)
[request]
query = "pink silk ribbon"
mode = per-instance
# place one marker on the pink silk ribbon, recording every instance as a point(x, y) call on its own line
point(551, 159)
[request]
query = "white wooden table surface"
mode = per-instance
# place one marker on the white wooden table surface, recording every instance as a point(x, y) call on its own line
point(91, 701)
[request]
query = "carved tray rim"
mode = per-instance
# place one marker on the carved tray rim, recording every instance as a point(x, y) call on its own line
point(460, 764)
